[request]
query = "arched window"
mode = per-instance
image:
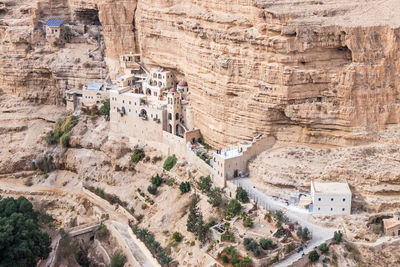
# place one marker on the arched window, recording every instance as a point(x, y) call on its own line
point(169, 128)
point(177, 116)
point(169, 116)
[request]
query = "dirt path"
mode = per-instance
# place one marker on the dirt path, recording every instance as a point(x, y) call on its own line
point(118, 220)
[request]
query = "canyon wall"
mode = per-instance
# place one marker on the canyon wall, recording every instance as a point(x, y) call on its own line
point(306, 71)
point(303, 71)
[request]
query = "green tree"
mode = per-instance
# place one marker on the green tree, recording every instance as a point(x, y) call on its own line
point(241, 195)
point(205, 184)
point(193, 216)
point(215, 197)
point(314, 256)
point(152, 189)
point(195, 222)
point(233, 208)
point(105, 109)
point(66, 32)
point(184, 187)
point(22, 243)
point(156, 180)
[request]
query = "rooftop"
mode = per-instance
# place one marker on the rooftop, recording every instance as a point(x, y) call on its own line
point(390, 223)
point(54, 22)
point(331, 188)
point(230, 153)
point(94, 86)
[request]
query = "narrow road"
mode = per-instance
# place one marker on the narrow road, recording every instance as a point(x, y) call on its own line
point(319, 234)
point(119, 220)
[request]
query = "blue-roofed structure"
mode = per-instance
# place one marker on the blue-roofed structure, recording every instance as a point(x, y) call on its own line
point(95, 86)
point(54, 23)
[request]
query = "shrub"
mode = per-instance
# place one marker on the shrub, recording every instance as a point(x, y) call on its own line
point(64, 140)
point(184, 187)
point(138, 155)
point(337, 236)
point(156, 180)
point(177, 236)
point(290, 247)
point(233, 208)
point(324, 248)
point(251, 245)
point(248, 222)
point(225, 259)
point(102, 232)
point(28, 181)
point(118, 259)
point(228, 237)
point(266, 243)
point(303, 233)
point(152, 189)
point(241, 195)
point(61, 130)
point(314, 256)
point(105, 109)
point(205, 184)
point(170, 162)
point(66, 33)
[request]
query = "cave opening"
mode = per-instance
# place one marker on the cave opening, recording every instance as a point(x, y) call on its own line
point(88, 16)
point(346, 51)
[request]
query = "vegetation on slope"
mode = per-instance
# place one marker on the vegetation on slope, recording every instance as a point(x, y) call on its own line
point(22, 243)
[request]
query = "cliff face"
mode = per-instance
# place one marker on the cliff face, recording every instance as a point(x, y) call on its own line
point(306, 71)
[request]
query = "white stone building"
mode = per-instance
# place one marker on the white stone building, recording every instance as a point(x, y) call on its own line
point(330, 198)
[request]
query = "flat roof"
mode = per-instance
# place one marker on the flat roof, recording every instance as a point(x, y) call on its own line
point(331, 187)
point(230, 153)
point(94, 86)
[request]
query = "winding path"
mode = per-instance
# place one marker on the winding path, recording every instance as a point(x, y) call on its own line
point(320, 234)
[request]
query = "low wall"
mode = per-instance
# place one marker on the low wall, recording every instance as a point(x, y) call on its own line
point(143, 248)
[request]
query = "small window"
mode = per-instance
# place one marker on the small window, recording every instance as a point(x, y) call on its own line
point(123, 101)
point(319, 199)
point(319, 208)
point(344, 199)
point(343, 209)
point(331, 199)
point(331, 209)
point(129, 102)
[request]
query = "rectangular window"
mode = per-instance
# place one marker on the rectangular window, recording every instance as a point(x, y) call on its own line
point(343, 209)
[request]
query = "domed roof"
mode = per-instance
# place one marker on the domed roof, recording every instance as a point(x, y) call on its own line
point(173, 90)
point(182, 83)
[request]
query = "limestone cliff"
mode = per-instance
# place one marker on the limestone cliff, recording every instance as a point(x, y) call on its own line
point(305, 71)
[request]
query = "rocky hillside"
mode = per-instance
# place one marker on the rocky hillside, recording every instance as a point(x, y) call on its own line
point(305, 71)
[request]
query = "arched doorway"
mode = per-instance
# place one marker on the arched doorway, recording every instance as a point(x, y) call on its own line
point(236, 173)
point(169, 128)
